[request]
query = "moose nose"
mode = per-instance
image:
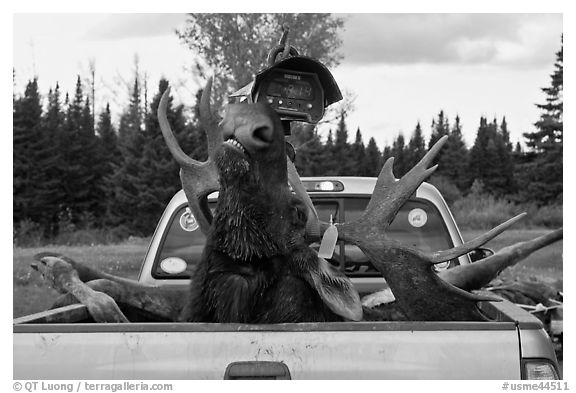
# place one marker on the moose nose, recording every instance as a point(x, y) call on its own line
point(255, 134)
point(253, 128)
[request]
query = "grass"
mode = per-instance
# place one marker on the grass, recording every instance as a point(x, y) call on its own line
point(31, 294)
point(479, 210)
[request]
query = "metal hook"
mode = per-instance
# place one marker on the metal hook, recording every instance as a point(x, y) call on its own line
point(283, 46)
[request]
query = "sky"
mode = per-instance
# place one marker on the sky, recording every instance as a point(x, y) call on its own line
point(401, 68)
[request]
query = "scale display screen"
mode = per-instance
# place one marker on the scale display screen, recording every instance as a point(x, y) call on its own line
point(295, 95)
point(301, 90)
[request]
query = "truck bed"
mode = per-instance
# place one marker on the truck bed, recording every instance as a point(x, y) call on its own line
point(344, 350)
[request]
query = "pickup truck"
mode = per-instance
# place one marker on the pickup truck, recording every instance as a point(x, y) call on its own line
point(512, 345)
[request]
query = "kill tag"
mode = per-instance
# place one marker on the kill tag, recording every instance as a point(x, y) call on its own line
point(328, 243)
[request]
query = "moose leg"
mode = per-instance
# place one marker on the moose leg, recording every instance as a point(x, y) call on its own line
point(105, 292)
point(62, 276)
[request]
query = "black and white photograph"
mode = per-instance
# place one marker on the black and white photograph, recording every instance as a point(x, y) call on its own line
point(317, 196)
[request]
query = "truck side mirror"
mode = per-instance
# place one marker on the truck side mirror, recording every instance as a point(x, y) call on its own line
point(480, 253)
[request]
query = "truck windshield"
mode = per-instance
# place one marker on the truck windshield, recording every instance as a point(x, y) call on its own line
point(417, 224)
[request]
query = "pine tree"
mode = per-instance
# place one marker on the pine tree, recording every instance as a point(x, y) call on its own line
point(490, 159)
point(453, 164)
point(72, 175)
point(358, 157)
point(505, 133)
point(131, 119)
point(110, 155)
point(400, 156)
point(123, 184)
point(93, 205)
point(51, 191)
point(506, 156)
point(110, 152)
point(386, 153)
point(541, 179)
point(80, 172)
point(330, 163)
point(440, 127)
point(373, 161)
point(27, 123)
point(342, 151)
point(416, 148)
point(309, 150)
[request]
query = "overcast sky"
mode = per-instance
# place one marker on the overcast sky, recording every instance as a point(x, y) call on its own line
point(402, 68)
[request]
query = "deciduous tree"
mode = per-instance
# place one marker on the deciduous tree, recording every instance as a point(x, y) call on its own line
point(234, 46)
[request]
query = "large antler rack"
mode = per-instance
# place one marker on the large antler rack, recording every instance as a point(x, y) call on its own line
point(420, 293)
point(199, 179)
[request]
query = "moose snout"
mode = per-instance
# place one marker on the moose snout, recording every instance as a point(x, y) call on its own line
point(256, 134)
point(249, 125)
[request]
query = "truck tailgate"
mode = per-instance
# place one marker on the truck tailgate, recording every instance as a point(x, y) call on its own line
point(359, 350)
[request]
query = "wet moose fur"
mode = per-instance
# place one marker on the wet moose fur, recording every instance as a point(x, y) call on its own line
point(250, 271)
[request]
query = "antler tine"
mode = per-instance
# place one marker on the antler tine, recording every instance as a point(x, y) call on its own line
point(386, 179)
point(446, 255)
point(182, 158)
point(478, 274)
point(208, 120)
point(390, 193)
point(198, 178)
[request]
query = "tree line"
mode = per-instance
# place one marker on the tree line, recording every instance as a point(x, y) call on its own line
point(73, 170)
point(71, 173)
point(490, 161)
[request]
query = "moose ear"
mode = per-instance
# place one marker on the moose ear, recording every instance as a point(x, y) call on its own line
point(336, 290)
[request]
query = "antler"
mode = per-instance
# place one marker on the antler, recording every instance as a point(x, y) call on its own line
point(478, 274)
point(199, 179)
